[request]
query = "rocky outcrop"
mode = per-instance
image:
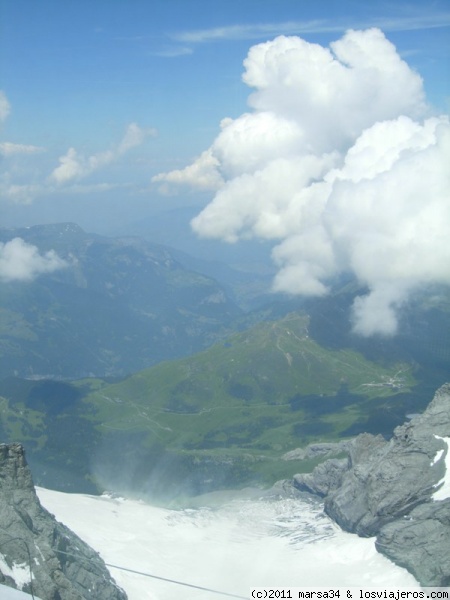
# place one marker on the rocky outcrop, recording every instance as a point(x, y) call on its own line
point(317, 450)
point(38, 554)
point(420, 542)
point(325, 478)
point(397, 490)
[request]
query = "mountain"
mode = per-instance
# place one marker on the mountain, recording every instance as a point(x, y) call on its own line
point(246, 269)
point(398, 490)
point(119, 305)
point(39, 555)
point(220, 418)
point(226, 414)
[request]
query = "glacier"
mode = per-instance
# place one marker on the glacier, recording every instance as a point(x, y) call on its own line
point(229, 546)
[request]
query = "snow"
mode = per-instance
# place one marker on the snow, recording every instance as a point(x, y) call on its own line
point(438, 456)
point(19, 572)
point(7, 593)
point(443, 487)
point(230, 548)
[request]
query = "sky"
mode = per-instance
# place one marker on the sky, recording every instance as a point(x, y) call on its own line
point(77, 75)
point(320, 128)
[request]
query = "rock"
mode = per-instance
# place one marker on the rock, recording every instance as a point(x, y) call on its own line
point(63, 567)
point(320, 449)
point(388, 479)
point(328, 476)
point(424, 533)
point(280, 490)
point(390, 489)
point(325, 478)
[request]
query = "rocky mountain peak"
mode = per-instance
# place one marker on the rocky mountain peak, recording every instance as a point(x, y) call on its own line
point(38, 554)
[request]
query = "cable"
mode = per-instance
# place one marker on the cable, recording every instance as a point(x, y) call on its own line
point(19, 539)
point(197, 587)
point(184, 583)
point(175, 581)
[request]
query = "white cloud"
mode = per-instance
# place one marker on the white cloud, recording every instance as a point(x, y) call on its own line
point(428, 19)
point(336, 165)
point(21, 180)
point(376, 312)
point(74, 166)
point(310, 99)
point(19, 193)
point(5, 107)
point(253, 139)
point(267, 203)
point(9, 149)
point(134, 136)
point(12, 152)
point(391, 227)
point(20, 261)
point(202, 174)
point(332, 94)
point(71, 166)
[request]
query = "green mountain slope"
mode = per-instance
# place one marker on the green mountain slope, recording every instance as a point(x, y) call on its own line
point(219, 418)
point(257, 390)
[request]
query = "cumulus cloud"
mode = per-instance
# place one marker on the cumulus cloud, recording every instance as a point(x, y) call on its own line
point(20, 261)
point(338, 164)
point(333, 93)
point(74, 166)
point(202, 174)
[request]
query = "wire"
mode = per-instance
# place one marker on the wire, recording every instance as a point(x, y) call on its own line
point(19, 539)
point(175, 581)
point(197, 587)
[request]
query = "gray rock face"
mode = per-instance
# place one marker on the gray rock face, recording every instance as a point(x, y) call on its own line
point(325, 478)
point(320, 449)
point(387, 489)
point(408, 543)
point(63, 567)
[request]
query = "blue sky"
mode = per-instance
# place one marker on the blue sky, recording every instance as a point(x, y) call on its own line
point(76, 74)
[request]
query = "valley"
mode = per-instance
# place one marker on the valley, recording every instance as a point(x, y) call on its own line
point(162, 385)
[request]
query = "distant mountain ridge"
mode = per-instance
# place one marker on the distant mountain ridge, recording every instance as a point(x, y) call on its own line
point(120, 305)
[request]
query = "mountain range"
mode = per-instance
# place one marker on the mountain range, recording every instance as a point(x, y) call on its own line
point(128, 369)
point(118, 305)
